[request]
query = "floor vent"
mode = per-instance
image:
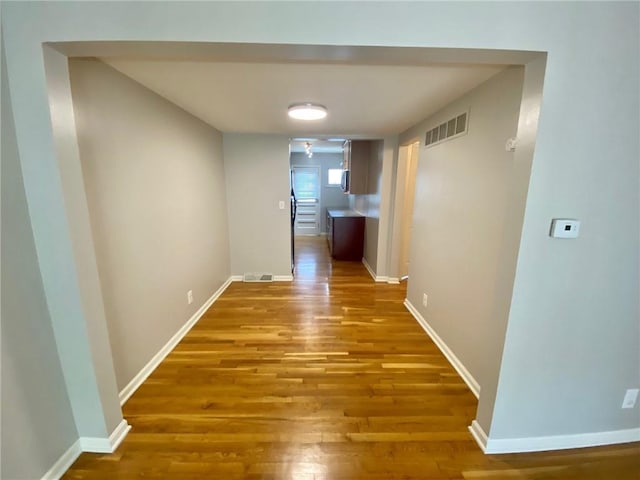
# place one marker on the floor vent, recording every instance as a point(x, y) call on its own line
point(258, 277)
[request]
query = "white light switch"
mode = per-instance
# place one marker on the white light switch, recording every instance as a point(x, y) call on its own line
point(630, 398)
point(281, 204)
point(564, 228)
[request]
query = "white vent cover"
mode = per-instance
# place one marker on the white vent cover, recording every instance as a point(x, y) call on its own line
point(258, 277)
point(450, 129)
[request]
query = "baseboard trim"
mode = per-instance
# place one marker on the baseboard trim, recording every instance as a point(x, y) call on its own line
point(478, 434)
point(142, 375)
point(553, 442)
point(376, 278)
point(64, 462)
point(393, 280)
point(369, 269)
point(106, 445)
point(471, 382)
point(236, 278)
point(283, 278)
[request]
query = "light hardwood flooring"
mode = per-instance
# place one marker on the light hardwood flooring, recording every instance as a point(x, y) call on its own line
point(327, 377)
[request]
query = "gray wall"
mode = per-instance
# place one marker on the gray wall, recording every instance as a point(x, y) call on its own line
point(369, 204)
point(330, 196)
point(36, 421)
point(154, 179)
point(461, 199)
point(257, 178)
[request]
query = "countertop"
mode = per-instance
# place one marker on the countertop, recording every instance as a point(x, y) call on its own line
point(343, 213)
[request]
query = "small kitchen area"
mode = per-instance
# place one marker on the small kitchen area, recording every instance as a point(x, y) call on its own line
point(329, 192)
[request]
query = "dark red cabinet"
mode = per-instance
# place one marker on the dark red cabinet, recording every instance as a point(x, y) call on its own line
point(345, 234)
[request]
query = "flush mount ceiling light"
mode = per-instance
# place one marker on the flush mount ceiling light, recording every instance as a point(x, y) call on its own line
point(307, 111)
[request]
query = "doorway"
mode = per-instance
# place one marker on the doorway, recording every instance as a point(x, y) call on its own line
point(404, 201)
point(306, 185)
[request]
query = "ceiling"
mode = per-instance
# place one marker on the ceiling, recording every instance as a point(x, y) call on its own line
point(369, 90)
point(364, 98)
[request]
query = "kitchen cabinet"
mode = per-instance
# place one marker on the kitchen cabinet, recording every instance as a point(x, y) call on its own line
point(345, 234)
point(356, 154)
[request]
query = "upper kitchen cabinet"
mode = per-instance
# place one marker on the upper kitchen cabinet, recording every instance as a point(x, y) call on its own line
point(356, 166)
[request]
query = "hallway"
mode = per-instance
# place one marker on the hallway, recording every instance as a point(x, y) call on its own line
point(326, 377)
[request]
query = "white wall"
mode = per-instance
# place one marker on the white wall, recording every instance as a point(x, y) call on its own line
point(331, 196)
point(257, 178)
point(37, 423)
point(585, 166)
point(154, 179)
point(460, 207)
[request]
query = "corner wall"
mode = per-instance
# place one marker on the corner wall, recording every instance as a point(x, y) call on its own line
point(154, 179)
point(37, 423)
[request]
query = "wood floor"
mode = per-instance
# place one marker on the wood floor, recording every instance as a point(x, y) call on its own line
point(327, 377)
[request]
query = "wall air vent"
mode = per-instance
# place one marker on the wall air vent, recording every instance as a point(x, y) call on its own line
point(447, 130)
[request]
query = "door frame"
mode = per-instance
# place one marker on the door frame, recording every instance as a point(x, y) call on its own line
point(407, 162)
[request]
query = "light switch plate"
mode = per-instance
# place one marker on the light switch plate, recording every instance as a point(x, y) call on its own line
point(630, 398)
point(564, 228)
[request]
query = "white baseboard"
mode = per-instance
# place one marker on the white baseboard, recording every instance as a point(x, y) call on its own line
point(379, 278)
point(369, 269)
point(236, 278)
point(553, 442)
point(478, 435)
point(142, 375)
point(471, 382)
point(106, 445)
point(283, 278)
point(376, 278)
point(64, 462)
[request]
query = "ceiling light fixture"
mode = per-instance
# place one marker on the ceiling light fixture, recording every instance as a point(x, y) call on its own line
point(307, 149)
point(307, 111)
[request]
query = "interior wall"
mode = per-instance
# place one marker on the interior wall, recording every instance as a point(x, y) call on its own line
point(36, 424)
point(461, 200)
point(154, 177)
point(369, 204)
point(257, 179)
point(331, 195)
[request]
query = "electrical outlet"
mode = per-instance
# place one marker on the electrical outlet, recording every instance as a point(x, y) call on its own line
point(425, 299)
point(190, 297)
point(630, 398)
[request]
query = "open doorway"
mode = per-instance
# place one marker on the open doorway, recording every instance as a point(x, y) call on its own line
point(307, 192)
point(316, 168)
point(408, 171)
point(404, 202)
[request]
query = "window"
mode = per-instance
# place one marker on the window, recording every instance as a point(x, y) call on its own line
point(334, 176)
